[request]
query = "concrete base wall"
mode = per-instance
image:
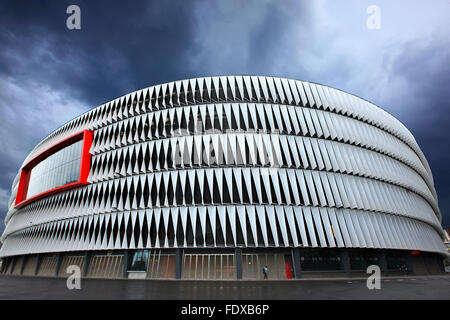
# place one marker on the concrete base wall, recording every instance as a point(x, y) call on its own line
point(159, 263)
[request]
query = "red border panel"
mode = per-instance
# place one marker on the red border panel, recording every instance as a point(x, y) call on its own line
point(86, 136)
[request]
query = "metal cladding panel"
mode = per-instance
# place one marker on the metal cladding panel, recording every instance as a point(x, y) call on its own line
point(234, 161)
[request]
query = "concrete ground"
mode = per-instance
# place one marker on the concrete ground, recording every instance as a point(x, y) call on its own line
point(392, 288)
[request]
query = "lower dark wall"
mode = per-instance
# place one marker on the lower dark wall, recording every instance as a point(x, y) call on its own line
point(427, 263)
point(227, 263)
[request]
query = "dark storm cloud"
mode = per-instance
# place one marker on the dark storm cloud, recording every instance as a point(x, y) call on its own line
point(122, 46)
point(423, 66)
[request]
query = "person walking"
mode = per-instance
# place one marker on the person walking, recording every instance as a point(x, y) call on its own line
point(265, 273)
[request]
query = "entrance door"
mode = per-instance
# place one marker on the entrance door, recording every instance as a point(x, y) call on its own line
point(288, 265)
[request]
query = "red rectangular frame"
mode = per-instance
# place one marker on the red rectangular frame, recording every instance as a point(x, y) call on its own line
point(85, 166)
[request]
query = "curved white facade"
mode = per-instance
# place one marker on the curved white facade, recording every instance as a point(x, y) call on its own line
point(236, 161)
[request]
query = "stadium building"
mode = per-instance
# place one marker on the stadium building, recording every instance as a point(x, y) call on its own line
point(217, 177)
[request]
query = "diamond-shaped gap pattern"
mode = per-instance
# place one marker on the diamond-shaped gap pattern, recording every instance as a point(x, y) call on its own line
point(334, 142)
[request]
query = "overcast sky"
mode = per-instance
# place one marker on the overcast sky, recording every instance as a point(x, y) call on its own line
point(50, 74)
